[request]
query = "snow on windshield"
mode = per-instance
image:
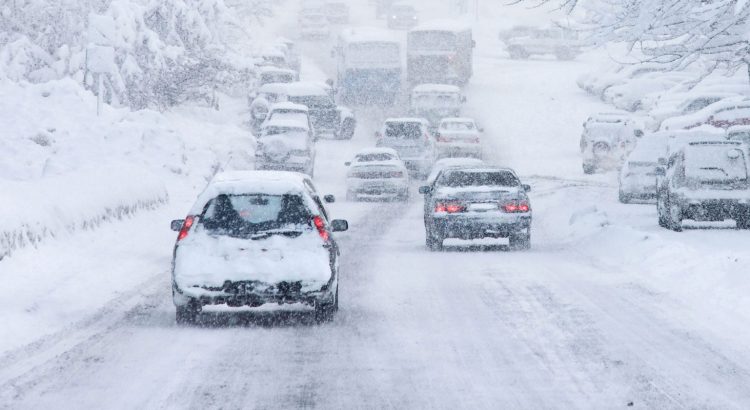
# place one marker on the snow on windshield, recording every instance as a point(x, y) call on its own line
point(715, 163)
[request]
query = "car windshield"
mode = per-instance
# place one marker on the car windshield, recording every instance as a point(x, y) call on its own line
point(715, 163)
point(378, 156)
point(457, 126)
point(250, 214)
point(461, 178)
point(403, 130)
point(313, 101)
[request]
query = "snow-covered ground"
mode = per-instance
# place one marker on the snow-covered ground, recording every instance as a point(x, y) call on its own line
point(606, 310)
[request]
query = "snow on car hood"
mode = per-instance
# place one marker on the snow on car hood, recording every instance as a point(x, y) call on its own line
point(210, 260)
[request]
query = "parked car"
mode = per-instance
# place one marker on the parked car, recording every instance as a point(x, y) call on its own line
point(481, 202)
point(288, 111)
point(558, 41)
point(705, 181)
point(402, 17)
point(682, 104)
point(271, 74)
point(387, 179)
point(620, 74)
point(630, 94)
point(411, 138)
point(606, 139)
point(723, 114)
point(286, 145)
point(435, 102)
point(272, 56)
point(637, 178)
point(458, 137)
point(337, 12)
point(256, 237)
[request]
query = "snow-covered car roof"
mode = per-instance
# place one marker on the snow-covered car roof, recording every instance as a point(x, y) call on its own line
point(286, 122)
point(457, 119)
point(273, 69)
point(307, 88)
point(377, 150)
point(679, 138)
point(738, 128)
point(436, 88)
point(275, 88)
point(447, 163)
point(286, 105)
point(250, 182)
point(648, 149)
point(407, 119)
point(442, 25)
point(367, 34)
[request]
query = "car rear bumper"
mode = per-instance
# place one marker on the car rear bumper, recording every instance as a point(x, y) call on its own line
point(252, 294)
point(714, 209)
point(474, 227)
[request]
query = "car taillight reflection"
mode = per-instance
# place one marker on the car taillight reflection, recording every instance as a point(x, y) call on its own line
point(450, 207)
point(320, 225)
point(186, 227)
point(516, 206)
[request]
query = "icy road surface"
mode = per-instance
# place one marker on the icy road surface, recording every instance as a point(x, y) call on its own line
point(606, 310)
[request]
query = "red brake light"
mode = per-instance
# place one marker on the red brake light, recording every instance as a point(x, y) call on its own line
point(320, 225)
point(450, 207)
point(516, 206)
point(185, 227)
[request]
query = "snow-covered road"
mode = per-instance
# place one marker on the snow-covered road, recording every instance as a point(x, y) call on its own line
point(606, 310)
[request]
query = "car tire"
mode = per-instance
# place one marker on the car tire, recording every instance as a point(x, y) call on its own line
point(624, 198)
point(347, 129)
point(186, 315)
point(674, 216)
point(520, 241)
point(434, 242)
point(743, 222)
point(588, 169)
point(324, 311)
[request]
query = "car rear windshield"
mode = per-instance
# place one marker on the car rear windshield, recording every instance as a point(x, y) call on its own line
point(247, 215)
point(380, 156)
point(457, 179)
point(717, 163)
point(403, 130)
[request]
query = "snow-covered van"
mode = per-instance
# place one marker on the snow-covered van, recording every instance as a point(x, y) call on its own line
point(256, 237)
point(368, 64)
point(440, 52)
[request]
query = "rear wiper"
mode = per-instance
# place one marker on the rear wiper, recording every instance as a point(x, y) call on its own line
point(715, 169)
point(292, 233)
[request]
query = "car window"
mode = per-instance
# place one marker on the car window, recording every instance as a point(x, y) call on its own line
point(456, 179)
point(403, 130)
point(245, 215)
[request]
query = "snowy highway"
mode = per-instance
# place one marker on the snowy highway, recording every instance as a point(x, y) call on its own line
point(606, 310)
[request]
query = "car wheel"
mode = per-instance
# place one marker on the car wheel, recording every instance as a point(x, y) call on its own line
point(520, 241)
point(588, 169)
point(347, 129)
point(186, 315)
point(434, 241)
point(743, 222)
point(624, 198)
point(674, 216)
point(324, 311)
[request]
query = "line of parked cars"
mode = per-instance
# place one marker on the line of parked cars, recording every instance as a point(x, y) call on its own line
point(687, 151)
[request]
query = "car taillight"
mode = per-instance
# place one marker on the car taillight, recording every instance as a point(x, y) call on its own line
point(396, 174)
point(186, 227)
point(320, 225)
point(449, 207)
point(516, 206)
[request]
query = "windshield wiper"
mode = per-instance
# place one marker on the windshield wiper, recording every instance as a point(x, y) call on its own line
point(715, 169)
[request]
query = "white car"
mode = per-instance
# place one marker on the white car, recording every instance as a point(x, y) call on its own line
point(620, 75)
point(256, 237)
point(606, 139)
point(557, 41)
point(458, 137)
point(630, 94)
point(411, 138)
point(723, 114)
point(436, 101)
point(286, 144)
point(682, 104)
point(638, 173)
point(377, 174)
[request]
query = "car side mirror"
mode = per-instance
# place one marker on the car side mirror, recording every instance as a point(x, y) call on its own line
point(347, 163)
point(339, 225)
point(424, 190)
point(526, 187)
point(329, 199)
point(176, 225)
point(660, 171)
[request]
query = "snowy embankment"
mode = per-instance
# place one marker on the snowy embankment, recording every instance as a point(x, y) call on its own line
point(65, 169)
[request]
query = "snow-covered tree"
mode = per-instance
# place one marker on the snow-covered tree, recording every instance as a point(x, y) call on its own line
point(676, 32)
